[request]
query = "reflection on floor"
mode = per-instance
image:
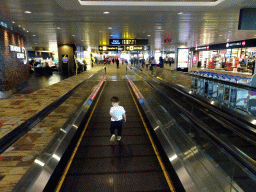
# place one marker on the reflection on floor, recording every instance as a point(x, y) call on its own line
point(39, 82)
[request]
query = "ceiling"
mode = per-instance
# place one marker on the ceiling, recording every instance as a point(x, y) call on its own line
point(189, 23)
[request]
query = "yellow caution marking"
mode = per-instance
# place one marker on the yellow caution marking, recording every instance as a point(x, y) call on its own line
point(160, 78)
point(166, 174)
point(77, 145)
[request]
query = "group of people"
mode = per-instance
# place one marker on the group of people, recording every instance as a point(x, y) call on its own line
point(116, 61)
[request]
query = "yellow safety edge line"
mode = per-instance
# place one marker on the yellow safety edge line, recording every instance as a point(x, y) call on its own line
point(166, 174)
point(77, 145)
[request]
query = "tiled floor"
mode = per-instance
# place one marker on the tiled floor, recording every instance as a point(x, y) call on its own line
point(13, 111)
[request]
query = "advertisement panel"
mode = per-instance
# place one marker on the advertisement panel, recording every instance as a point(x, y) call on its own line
point(182, 58)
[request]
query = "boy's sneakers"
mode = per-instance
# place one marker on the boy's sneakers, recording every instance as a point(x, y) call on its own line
point(118, 138)
point(113, 137)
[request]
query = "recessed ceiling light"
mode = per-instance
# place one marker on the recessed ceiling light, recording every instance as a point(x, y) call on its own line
point(149, 35)
point(34, 35)
point(180, 13)
point(109, 27)
point(73, 35)
point(58, 27)
point(27, 12)
point(27, 31)
point(19, 26)
point(13, 22)
point(106, 12)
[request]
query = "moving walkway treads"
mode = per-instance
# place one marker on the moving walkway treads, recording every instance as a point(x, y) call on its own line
point(106, 132)
point(107, 119)
point(126, 140)
point(84, 166)
point(119, 150)
point(106, 125)
point(128, 165)
point(145, 181)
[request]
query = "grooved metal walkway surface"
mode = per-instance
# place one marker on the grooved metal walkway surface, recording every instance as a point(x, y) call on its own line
point(129, 165)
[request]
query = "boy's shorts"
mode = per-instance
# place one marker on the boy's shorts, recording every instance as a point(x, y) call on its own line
point(116, 124)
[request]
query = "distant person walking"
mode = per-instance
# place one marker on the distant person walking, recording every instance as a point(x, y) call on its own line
point(117, 63)
point(117, 114)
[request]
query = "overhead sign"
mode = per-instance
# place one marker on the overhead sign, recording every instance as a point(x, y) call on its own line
point(128, 41)
point(134, 48)
point(147, 48)
point(121, 48)
point(108, 48)
point(135, 52)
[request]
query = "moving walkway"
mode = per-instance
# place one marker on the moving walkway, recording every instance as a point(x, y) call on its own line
point(169, 132)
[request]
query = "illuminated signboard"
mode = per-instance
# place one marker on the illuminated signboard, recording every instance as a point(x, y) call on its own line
point(15, 48)
point(147, 48)
point(128, 41)
point(108, 48)
point(182, 58)
point(20, 55)
point(168, 40)
point(21, 52)
point(134, 48)
point(64, 58)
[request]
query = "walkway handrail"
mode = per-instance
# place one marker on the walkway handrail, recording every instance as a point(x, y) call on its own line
point(10, 138)
point(241, 120)
point(248, 162)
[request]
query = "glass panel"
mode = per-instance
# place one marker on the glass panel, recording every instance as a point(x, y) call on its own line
point(211, 166)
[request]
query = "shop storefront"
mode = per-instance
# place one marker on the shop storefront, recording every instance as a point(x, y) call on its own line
point(238, 56)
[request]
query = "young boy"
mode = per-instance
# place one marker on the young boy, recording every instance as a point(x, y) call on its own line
point(117, 114)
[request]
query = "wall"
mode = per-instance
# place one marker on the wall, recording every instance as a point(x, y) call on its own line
point(70, 51)
point(13, 71)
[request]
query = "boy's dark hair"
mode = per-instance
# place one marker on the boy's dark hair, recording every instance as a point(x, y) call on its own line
point(114, 99)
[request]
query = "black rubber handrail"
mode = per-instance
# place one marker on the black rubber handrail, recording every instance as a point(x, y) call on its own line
point(237, 85)
point(240, 119)
point(249, 163)
point(11, 137)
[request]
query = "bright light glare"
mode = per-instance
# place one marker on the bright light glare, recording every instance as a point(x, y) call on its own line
point(254, 122)
point(39, 162)
point(173, 157)
point(27, 12)
point(56, 157)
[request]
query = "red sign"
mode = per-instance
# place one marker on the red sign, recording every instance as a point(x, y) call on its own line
point(243, 43)
point(168, 40)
